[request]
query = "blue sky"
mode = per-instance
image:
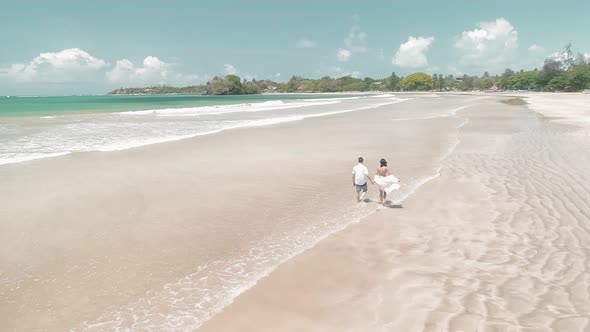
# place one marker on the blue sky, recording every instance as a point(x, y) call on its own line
point(71, 47)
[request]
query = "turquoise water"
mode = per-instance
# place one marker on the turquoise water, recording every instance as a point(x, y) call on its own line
point(60, 105)
point(42, 127)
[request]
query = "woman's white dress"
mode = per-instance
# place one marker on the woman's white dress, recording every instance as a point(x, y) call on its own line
point(387, 183)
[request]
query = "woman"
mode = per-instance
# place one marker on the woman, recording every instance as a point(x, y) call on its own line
point(387, 182)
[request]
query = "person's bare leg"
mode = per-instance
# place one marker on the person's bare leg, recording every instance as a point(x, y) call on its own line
point(384, 197)
point(358, 199)
point(363, 193)
point(381, 197)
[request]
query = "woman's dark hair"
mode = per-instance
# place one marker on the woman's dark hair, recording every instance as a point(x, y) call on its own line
point(383, 163)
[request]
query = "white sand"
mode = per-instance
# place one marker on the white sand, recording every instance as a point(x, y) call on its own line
point(498, 242)
point(573, 108)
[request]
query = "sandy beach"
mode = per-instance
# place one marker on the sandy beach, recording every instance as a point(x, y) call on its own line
point(497, 242)
point(257, 229)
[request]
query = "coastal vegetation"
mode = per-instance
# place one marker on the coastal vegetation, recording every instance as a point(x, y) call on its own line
point(566, 72)
point(418, 82)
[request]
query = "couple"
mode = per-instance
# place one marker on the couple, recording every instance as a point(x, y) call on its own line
point(386, 182)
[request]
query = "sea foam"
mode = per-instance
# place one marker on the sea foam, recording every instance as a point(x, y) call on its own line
point(125, 130)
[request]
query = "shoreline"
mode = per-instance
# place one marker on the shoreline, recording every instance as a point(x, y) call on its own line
point(316, 303)
point(543, 96)
point(262, 122)
point(317, 93)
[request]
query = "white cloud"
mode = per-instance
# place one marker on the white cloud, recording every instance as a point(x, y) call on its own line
point(278, 75)
point(356, 39)
point(433, 69)
point(354, 73)
point(73, 66)
point(64, 66)
point(587, 57)
point(123, 70)
point(355, 42)
point(536, 49)
point(191, 79)
point(491, 45)
point(229, 69)
point(306, 43)
point(381, 55)
point(412, 54)
point(336, 71)
point(454, 71)
point(151, 71)
point(343, 55)
point(250, 77)
point(533, 58)
point(331, 70)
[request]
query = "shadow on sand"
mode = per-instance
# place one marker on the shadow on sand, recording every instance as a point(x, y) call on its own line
point(388, 204)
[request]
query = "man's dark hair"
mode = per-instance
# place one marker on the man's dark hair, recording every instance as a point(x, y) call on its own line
point(361, 159)
point(383, 163)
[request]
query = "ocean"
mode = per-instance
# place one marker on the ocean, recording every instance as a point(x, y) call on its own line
point(40, 127)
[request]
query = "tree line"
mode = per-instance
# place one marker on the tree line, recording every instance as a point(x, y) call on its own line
point(569, 72)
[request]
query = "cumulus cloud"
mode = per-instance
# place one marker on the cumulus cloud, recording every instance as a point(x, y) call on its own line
point(587, 57)
point(307, 43)
point(151, 71)
point(343, 55)
point(71, 67)
point(412, 54)
point(229, 69)
point(64, 66)
point(491, 44)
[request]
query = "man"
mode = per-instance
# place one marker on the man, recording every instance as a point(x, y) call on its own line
point(360, 175)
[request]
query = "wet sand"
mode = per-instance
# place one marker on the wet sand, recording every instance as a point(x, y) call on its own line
point(497, 242)
point(164, 236)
